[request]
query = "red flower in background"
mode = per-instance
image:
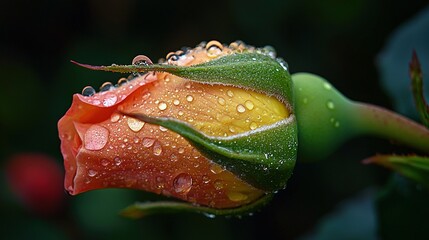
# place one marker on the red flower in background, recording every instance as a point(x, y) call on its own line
point(36, 179)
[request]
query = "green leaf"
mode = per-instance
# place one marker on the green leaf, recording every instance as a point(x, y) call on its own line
point(413, 167)
point(255, 71)
point(139, 210)
point(417, 85)
point(264, 157)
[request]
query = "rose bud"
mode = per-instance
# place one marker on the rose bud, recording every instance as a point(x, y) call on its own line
point(213, 126)
point(217, 126)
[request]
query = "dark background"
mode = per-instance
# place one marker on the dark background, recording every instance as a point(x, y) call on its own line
point(339, 40)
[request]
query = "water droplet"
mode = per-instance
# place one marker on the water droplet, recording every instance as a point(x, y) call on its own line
point(180, 113)
point(136, 140)
point(92, 173)
point(249, 104)
point(241, 108)
point(337, 124)
point(216, 168)
point(182, 183)
point(188, 85)
point(176, 102)
point(115, 117)
point(88, 91)
point(118, 161)
point(330, 105)
point(141, 60)
point(96, 137)
point(173, 158)
point(162, 106)
point(106, 86)
point(159, 182)
point(172, 57)
point(221, 101)
point(134, 124)
point(214, 48)
point(230, 93)
point(157, 149)
point(109, 100)
point(236, 196)
point(104, 162)
point(148, 142)
point(206, 179)
point(253, 126)
point(283, 63)
point(327, 86)
point(162, 129)
point(232, 129)
point(122, 81)
point(181, 150)
point(189, 98)
point(270, 51)
point(218, 184)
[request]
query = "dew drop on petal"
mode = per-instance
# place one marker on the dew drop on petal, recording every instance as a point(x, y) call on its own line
point(162, 129)
point(118, 161)
point(176, 102)
point(122, 81)
point(182, 183)
point(253, 126)
point(96, 137)
point(189, 98)
point(218, 184)
point(241, 108)
point(92, 173)
point(107, 86)
point(236, 196)
point(104, 162)
point(162, 106)
point(230, 93)
point(173, 158)
point(157, 149)
point(88, 91)
point(159, 182)
point(221, 101)
point(249, 104)
point(148, 142)
point(134, 124)
point(141, 60)
point(110, 100)
point(115, 117)
point(181, 150)
point(216, 168)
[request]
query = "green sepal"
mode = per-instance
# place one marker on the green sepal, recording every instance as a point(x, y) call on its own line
point(416, 76)
point(254, 71)
point(413, 167)
point(264, 157)
point(139, 210)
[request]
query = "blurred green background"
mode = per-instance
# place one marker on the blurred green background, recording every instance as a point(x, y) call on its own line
point(339, 198)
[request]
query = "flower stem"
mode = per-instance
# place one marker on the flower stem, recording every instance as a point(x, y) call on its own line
point(374, 120)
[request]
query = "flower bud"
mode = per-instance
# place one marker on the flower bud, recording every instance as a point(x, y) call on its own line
point(213, 125)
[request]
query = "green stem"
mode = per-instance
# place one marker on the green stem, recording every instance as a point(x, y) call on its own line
point(326, 119)
point(374, 120)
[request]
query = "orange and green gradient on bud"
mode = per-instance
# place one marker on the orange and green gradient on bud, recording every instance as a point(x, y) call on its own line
point(104, 148)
